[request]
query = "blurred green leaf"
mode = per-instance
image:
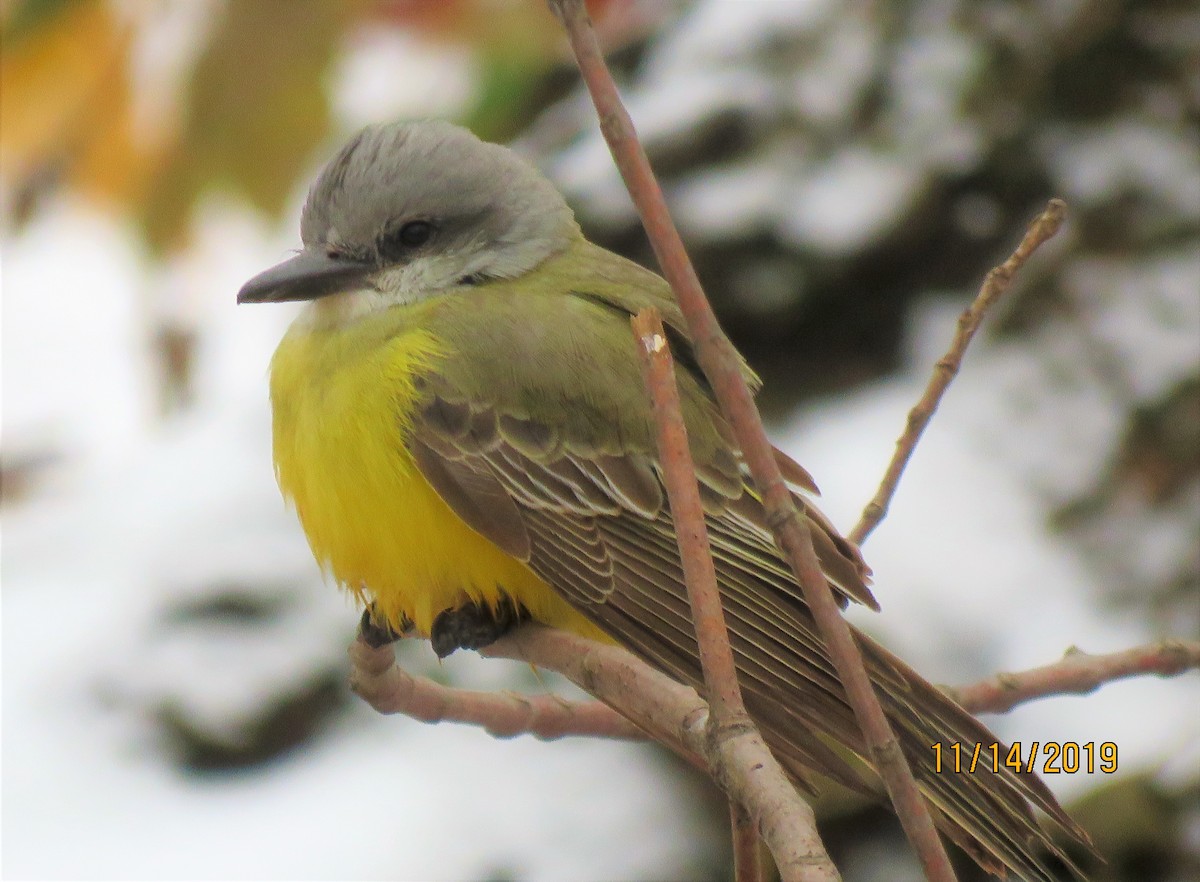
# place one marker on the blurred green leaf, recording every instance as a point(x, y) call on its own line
point(28, 16)
point(511, 90)
point(256, 109)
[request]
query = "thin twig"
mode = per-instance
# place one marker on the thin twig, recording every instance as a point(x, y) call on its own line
point(1044, 226)
point(390, 689)
point(687, 513)
point(728, 718)
point(1077, 673)
point(747, 865)
point(720, 364)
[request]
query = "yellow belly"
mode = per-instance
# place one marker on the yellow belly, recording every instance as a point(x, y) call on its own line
point(341, 400)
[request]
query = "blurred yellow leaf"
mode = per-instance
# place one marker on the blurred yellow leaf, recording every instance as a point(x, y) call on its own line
point(66, 111)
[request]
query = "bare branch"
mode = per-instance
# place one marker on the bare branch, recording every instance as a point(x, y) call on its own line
point(1078, 673)
point(390, 689)
point(747, 865)
point(994, 285)
point(729, 723)
point(720, 364)
point(687, 512)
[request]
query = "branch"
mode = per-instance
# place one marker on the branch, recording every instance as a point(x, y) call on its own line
point(994, 285)
point(732, 734)
point(747, 862)
point(390, 689)
point(1078, 673)
point(687, 511)
point(723, 370)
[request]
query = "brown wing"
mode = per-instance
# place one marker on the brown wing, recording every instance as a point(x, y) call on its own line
point(596, 527)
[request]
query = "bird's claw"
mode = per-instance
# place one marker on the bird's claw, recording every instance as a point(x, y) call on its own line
point(474, 626)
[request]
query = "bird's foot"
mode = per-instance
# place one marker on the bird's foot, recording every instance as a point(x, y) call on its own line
point(374, 630)
point(474, 626)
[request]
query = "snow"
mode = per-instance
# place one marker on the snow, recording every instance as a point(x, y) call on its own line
point(702, 73)
point(703, 66)
point(852, 198)
point(716, 33)
point(169, 38)
point(389, 74)
point(1093, 163)
point(1070, 424)
point(586, 166)
point(795, 76)
point(70, 346)
point(1145, 314)
point(665, 114)
point(730, 199)
point(826, 88)
point(933, 73)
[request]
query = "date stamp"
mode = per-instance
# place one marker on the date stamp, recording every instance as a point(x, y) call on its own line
point(1044, 757)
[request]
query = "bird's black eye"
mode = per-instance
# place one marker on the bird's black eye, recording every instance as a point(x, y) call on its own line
point(415, 233)
point(397, 243)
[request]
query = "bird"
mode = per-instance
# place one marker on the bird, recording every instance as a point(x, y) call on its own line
point(460, 423)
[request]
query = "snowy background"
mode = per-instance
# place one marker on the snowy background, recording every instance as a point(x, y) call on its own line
point(174, 668)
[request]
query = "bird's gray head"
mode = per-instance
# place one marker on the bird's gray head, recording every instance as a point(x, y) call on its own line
point(410, 210)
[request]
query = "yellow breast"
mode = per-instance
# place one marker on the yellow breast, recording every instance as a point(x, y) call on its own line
point(342, 399)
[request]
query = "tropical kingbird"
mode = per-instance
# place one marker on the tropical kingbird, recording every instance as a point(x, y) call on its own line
point(460, 422)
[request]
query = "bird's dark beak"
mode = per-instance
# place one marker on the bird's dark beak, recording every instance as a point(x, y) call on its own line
point(307, 276)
